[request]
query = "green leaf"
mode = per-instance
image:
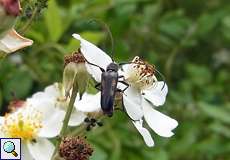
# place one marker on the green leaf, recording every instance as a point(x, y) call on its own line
point(199, 75)
point(19, 83)
point(220, 129)
point(216, 112)
point(174, 24)
point(1, 99)
point(98, 154)
point(156, 155)
point(226, 27)
point(206, 23)
point(53, 21)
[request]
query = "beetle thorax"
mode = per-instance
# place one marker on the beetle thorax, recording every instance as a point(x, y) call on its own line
point(112, 67)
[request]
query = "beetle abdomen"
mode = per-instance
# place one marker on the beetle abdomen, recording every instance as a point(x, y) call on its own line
point(107, 105)
point(108, 91)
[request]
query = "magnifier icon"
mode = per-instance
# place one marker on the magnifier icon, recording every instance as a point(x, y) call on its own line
point(9, 147)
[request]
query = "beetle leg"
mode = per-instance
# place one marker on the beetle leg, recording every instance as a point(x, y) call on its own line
point(126, 84)
point(98, 86)
point(121, 76)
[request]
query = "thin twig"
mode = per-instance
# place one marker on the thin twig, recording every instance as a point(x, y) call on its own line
point(29, 22)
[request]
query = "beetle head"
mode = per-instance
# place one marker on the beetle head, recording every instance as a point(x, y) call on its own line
point(112, 67)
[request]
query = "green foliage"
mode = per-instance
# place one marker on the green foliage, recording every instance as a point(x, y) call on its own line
point(188, 41)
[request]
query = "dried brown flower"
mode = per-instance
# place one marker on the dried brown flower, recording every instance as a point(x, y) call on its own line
point(75, 148)
point(76, 57)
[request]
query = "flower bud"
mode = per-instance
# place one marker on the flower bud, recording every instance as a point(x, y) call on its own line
point(12, 42)
point(75, 68)
point(9, 10)
point(16, 104)
point(75, 148)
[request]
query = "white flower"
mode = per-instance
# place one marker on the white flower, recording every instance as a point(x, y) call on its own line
point(139, 99)
point(33, 125)
point(54, 96)
point(12, 42)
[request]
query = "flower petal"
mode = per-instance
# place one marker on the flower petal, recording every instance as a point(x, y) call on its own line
point(94, 55)
point(94, 71)
point(131, 101)
point(53, 90)
point(38, 99)
point(156, 95)
point(42, 149)
point(89, 103)
point(77, 117)
point(133, 94)
point(126, 69)
point(1, 119)
point(144, 132)
point(52, 120)
point(160, 123)
point(1, 123)
point(12, 41)
point(25, 152)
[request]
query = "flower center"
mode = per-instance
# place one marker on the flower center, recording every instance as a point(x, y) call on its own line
point(24, 123)
point(140, 74)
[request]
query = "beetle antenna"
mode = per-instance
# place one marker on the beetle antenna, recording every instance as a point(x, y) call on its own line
point(162, 76)
point(102, 69)
point(107, 29)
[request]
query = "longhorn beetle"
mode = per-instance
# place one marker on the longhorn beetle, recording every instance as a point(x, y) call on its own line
point(108, 86)
point(109, 80)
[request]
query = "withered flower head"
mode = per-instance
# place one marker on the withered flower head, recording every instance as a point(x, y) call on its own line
point(75, 148)
point(75, 68)
point(76, 57)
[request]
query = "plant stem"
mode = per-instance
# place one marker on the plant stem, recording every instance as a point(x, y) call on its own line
point(29, 22)
point(67, 117)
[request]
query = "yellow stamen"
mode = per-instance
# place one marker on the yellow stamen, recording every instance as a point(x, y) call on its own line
point(24, 123)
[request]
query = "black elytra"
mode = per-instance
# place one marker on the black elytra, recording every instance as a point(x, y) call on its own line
point(108, 87)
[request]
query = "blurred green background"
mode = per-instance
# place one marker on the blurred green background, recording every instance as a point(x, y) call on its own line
point(188, 41)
